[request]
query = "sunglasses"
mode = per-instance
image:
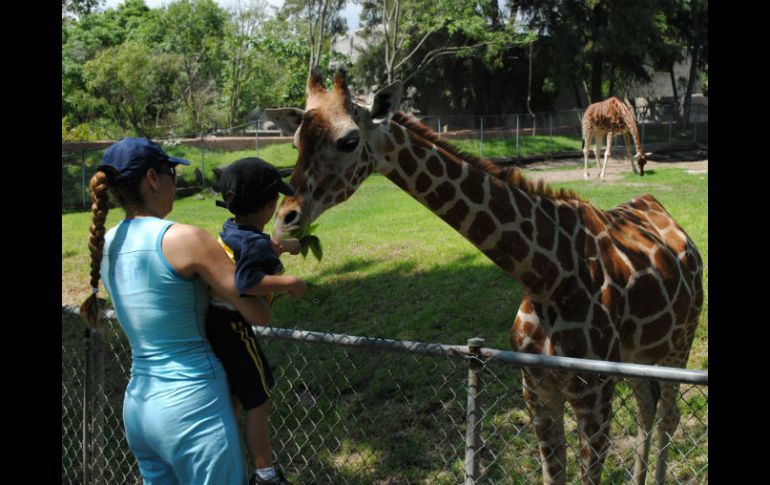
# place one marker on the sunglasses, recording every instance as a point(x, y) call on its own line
point(169, 170)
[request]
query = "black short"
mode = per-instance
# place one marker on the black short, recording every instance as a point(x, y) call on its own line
point(234, 342)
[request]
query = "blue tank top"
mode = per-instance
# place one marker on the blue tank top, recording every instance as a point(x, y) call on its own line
point(161, 311)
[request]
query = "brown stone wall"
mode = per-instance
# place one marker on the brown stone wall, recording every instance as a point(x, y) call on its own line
point(211, 143)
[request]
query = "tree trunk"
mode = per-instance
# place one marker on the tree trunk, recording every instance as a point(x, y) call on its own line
point(529, 86)
point(690, 84)
point(675, 91)
point(578, 99)
point(596, 79)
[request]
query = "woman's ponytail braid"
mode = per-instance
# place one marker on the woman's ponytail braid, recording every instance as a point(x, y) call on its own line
point(99, 195)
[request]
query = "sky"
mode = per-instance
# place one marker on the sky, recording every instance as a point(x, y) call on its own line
point(350, 12)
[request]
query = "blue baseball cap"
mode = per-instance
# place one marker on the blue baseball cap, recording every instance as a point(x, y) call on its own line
point(131, 157)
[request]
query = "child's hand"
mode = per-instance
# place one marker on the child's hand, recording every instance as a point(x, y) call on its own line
point(291, 246)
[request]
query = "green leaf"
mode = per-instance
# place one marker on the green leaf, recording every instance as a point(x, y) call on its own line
point(315, 247)
point(313, 244)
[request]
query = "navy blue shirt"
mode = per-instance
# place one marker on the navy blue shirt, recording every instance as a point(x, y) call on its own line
point(253, 254)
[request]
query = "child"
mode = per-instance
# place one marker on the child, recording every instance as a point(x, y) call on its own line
point(250, 188)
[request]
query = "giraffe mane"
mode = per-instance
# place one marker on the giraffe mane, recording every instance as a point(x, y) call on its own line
point(511, 175)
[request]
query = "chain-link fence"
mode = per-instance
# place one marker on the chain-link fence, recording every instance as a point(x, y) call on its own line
point(354, 410)
point(503, 138)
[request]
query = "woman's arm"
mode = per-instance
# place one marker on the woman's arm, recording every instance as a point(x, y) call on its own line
point(192, 251)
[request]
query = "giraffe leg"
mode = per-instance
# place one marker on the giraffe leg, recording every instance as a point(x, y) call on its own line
point(593, 410)
point(546, 410)
point(669, 420)
point(587, 136)
point(646, 393)
point(606, 155)
point(597, 146)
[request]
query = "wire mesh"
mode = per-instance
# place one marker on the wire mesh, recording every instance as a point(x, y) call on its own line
point(360, 415)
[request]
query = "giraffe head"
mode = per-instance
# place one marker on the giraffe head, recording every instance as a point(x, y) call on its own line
point(641, 160)
point(330, 136)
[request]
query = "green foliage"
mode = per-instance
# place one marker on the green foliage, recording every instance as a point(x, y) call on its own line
point(132, 83)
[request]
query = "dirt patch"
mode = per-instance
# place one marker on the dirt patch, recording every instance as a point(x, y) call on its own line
point(569, 169)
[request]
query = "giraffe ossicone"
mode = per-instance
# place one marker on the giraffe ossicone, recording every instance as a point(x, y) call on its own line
point(622, 285)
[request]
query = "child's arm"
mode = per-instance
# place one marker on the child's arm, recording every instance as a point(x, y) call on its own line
point(278, 284)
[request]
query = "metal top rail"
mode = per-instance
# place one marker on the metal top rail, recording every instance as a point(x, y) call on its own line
point(516, 358)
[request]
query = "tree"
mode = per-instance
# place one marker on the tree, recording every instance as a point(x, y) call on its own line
point(412, 34)
point(245, 19)
point(195, 31)
point(320, 20)
point(132, 84)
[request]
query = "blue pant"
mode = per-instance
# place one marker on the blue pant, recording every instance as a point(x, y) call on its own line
point(183, 431)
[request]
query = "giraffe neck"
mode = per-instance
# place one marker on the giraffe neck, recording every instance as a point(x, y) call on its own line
point(628, 117)
point(514, 228)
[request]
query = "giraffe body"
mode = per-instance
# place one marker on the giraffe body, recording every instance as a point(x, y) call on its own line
point(620, 285)
point(609, 118)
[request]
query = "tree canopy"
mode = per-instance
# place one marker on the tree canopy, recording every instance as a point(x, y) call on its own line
point(193, 67)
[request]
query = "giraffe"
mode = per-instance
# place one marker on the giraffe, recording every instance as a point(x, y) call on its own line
point(621, 285)
point(611, 117)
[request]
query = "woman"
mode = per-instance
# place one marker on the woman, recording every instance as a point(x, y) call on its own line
point(177, 415)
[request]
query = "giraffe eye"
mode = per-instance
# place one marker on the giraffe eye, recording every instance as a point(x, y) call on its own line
point(349, 142)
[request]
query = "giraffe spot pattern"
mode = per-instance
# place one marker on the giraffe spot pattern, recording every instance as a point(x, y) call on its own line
point(522, 203)
point(407, 162)
point(454, 170)
point(617, 269)
point(644, 296)
point(434, 166)
point(500, 202)
point(548, 271)
point(512, 243)
point(481, 228)
point(657, 329)
point(564, 253)
point(423, 183)
point(500, 258)
point(575, 307)
point(396, 178)
point(545, 230)
point(567, 218)
point(473, 186)
point(418, 151)
point(572, 342)
point(398, 135)
point(456, 215)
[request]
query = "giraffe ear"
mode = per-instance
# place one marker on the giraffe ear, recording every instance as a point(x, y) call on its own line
point(386, 101)
point(287, 119)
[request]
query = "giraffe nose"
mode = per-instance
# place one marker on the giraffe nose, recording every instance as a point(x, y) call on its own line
point(290, 218)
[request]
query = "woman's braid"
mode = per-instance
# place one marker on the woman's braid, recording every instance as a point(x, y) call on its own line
point(99, 195)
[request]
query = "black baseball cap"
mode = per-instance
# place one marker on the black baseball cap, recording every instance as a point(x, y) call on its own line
point(131, 157)
point(247, 184)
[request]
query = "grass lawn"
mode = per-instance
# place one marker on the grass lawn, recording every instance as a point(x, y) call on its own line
point(419, 278)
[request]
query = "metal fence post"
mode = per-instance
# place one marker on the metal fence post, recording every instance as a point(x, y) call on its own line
point(83, 171)
point(93, 409)
point(517, 136)
point(550, 134)
point(473, 413)
point(438, 126)
point(481, 147)
point(203, 161)
point(670, 116)
point(256, 136)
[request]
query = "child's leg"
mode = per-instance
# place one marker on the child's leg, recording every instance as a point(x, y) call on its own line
point(258, 435)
